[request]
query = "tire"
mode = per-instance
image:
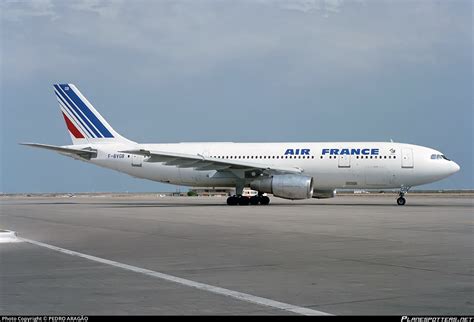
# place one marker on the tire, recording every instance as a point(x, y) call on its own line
point(244, 201)
point(265, 200)
point(254, 200)
point(401, 201)
point(232, 201)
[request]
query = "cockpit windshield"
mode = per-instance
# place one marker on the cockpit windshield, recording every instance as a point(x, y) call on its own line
point(439, 157)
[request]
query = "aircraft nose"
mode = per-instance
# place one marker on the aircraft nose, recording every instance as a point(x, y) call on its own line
point(455, 167)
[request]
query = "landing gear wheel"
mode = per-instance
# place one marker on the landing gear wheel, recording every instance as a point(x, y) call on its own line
point(232, 201)
point(244, 201)
point(264, 200)
point(254, 200)
point(401, 201)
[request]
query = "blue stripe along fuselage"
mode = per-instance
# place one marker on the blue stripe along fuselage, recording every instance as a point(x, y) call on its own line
point(76, 109)
point(87, 112)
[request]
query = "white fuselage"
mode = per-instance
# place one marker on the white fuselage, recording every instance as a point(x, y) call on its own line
point(358, 165)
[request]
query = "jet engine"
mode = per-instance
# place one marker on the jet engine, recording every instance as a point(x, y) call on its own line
point(288, 186)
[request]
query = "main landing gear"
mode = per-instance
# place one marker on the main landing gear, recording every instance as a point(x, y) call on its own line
point(401, 199)
point(244, 201)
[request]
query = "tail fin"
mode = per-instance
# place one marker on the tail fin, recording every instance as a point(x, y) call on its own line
point(84, 123)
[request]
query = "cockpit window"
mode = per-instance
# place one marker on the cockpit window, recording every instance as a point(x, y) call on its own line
point(439, 157)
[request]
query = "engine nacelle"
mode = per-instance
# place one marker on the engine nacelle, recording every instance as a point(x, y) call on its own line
point(324, 194)
point(288, 186)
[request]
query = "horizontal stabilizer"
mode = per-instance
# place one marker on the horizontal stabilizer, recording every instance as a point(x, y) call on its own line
point(85, 153)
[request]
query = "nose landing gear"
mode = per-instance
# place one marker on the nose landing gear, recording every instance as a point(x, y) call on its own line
point(401, 199)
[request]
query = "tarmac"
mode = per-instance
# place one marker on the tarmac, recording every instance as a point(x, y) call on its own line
point(350, 255)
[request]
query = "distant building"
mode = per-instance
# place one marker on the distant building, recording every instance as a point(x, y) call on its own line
point(221, 192)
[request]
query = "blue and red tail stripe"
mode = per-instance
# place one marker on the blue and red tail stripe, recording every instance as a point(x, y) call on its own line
point(76, 106)
point(72, 128)
point(72, 114)
point(77, 113)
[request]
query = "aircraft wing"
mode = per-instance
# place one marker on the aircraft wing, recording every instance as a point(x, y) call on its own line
point(83, 153)
point(203, 163)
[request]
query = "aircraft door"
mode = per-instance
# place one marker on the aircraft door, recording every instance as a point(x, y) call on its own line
point(344, 161)
point(407, 158)
point(137, 160)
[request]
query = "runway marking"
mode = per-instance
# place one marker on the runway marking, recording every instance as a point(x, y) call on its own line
point(8, 236)
point(201, 286)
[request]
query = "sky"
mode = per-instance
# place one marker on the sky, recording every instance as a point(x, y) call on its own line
point(240, 71)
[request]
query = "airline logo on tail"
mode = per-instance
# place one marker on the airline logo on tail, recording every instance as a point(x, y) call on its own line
point(79, 115)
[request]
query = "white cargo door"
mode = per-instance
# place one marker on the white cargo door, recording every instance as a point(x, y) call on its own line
point(137, 160)
point(344, 161)
point(407, 158)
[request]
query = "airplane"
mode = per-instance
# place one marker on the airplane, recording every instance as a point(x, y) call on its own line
point(290, 170)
